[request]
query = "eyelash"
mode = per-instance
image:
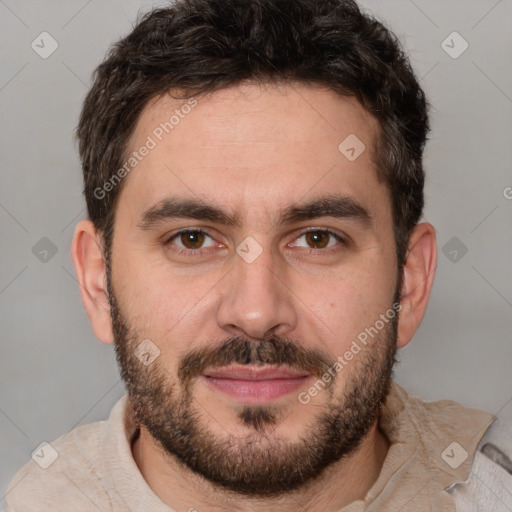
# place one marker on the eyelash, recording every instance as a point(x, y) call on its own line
point(201, 252)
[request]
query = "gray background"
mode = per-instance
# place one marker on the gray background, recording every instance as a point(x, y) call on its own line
point(54, 375)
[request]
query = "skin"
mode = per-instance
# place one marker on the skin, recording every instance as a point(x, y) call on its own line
point(255, 149)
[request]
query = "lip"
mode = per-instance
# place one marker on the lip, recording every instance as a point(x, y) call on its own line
point(254, 373)
point(255, 384)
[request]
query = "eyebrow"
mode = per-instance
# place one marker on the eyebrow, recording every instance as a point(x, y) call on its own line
point(336, 206)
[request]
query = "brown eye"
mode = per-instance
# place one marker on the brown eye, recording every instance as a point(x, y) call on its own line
point(317, 239)
point(193, 243)
point(192, 239)
point(321, 240)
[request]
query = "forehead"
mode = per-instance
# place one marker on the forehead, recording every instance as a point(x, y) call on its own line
point(254, 146)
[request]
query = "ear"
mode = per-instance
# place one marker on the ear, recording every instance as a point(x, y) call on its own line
point(418, 278)
point(87, 254)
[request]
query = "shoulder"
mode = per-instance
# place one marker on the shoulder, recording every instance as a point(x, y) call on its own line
point(65, 472)
point(489, 486)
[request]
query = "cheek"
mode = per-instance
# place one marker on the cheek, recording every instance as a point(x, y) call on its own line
point(161, 304)
point(346, 306)
point(144, 293)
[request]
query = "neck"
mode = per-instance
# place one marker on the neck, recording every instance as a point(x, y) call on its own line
point(341, 484)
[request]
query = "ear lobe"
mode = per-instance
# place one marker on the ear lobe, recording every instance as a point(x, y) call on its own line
point(89, 263)
point(418, 279)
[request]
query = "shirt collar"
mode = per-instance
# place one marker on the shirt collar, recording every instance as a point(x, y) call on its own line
point(432, 449)
point(127, 488)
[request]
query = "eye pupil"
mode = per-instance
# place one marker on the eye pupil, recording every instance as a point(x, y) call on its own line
point(315, 238)
point(195, 238)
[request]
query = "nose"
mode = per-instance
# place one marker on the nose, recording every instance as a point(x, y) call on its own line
point(256, 300)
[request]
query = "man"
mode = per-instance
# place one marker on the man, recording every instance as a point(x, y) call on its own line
point(254, 182)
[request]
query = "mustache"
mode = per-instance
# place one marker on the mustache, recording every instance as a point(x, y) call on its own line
point(273, 351)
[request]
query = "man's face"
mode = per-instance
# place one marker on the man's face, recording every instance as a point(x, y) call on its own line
point(253, 322)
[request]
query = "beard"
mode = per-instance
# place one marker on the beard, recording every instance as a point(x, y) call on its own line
point(260, 464)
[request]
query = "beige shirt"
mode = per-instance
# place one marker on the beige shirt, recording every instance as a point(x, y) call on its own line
point(432, 449)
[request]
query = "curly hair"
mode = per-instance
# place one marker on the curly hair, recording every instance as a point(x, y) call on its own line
point(199, 46)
